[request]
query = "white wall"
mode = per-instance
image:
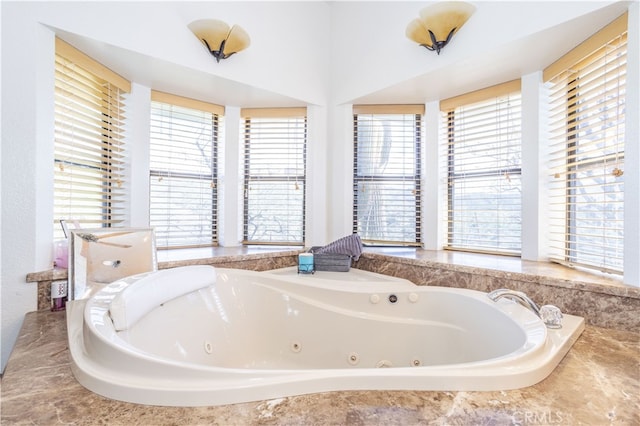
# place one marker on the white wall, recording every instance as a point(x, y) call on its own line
point(27, 173)
point(138, 123)
point(339, 175)
point(533, 169)
point(318, 155)
point(632, 152)
point(315, 52)
point(230, 180)
point(433, 224)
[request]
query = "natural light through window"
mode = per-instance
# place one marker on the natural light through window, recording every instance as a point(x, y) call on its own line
point(484, 189)
point(183, 175)
point(274, 175)
point(89, 145)
point(586, 176)
point(386, 180)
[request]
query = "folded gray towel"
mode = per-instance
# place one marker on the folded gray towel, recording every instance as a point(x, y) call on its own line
point(350, 245)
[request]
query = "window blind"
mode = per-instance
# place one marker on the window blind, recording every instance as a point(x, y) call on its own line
point(387, 173)
point(483, 146)
point(274, 175)
point(587, 125)
point(89, 147)
point(183, 200)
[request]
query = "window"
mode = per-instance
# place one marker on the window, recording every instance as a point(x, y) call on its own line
point(274, 175)
point(386, 173)
point(587, 123)
point(183, 171)
point(89, 149)
point(484, 170)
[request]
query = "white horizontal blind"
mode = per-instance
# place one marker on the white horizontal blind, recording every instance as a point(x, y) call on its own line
point(183, 174)
point(89, 148)
point(483, 145)
point(274, 175)
point(387, 173)
point(586, 179)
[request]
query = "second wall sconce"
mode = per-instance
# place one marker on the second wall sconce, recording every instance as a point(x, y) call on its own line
point(438, 23)
point(221, 40)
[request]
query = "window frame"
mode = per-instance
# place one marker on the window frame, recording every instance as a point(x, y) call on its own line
point(258, 120)
point(179, 108)
point(89, 109)
point(359, 179)
point(575, 80)
point(480, 99)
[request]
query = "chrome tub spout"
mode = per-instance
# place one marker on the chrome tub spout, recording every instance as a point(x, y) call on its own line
point(551, 315)
point(518, 296)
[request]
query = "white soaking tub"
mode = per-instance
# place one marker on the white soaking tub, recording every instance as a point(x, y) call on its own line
point(196, 336)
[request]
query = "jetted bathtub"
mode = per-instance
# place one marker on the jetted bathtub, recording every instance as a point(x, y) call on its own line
point(196, 336)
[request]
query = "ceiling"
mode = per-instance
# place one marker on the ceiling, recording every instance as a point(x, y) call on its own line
point(175, 78)
point(496, 62)
point(492, 64)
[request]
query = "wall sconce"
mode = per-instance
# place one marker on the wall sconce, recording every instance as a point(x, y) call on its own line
point(220, 40)
point(438, 23)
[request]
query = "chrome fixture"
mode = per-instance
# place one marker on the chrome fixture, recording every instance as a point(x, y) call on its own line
point(221, 40)
point(438, 23)
point(517, 296)
point(550, 315)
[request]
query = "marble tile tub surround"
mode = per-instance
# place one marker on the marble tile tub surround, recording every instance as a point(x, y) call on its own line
point(601, 299)
point(597, 383)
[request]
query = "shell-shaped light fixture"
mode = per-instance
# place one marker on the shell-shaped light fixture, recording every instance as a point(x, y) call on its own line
point(438, 23)
point(221, 40)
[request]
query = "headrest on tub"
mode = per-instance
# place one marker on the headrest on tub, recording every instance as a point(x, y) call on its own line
point(154, 289)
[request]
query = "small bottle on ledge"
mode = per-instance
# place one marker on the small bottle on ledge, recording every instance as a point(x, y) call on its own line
point(58, 295)
point(61, 254)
